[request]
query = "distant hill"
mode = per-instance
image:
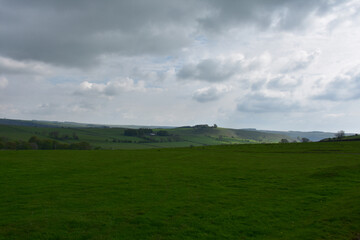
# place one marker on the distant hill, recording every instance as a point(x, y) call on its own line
point(57, 124)
point(313, 136)
point(29, 123)
point(246, 133)
point(109, 137)
point(354, 137)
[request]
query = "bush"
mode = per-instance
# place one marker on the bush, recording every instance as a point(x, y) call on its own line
point(163, 133)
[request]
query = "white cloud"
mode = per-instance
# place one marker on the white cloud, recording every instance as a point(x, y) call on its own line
point(213, 93)
point(11, 66)
point(111, 88)
point(283, 83)
point(300, 60)
point(344, 87)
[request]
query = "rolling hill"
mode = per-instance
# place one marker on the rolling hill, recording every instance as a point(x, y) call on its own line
point(354, 137)
point(117, 138)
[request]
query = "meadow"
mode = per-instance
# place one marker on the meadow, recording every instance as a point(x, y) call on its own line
point(249, 191)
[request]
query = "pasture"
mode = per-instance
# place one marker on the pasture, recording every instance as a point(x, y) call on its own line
point(301, 191)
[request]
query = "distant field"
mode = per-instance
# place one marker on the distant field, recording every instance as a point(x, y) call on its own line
point(114, 138)
point(299, 191)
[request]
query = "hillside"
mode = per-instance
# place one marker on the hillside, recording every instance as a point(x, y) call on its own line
point(123, 138)
point(57, 124)
point(313, 136)
point(354, 137)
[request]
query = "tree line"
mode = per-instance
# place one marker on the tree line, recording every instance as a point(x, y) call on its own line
point(58, 136)
point(141, 132)
point(35, 143)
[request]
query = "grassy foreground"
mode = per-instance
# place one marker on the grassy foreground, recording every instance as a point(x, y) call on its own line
point(275, 191)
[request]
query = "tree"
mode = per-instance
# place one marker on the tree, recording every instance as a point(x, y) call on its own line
point(10, 145)
point(284, 140)
point(33, 139)
point(340, 134)
point(54, 134)
point(163, 133)
point(305, 140)
point(75, 136)
point(201, 126)
point(215, 126)
point(33, 145)
point(130, 132)
point(80, 146)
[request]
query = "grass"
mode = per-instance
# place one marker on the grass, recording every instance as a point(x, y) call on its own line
point(266, 191)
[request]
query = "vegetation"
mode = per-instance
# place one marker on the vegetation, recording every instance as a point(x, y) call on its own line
point(313, 136)
point(137, 132)
point(340, 137)
point(126, 138)
point(35, 143)
point(340, 134)
point(58, 136)
point(261, 191)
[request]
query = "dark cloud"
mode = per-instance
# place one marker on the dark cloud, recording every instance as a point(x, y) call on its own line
point(257, 103)
point(210, 70)
point(278, 14)
point(77, 33)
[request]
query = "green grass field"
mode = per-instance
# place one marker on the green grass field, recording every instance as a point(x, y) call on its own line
point(263, 191)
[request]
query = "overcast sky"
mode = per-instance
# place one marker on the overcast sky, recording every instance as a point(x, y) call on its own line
point(265, 64)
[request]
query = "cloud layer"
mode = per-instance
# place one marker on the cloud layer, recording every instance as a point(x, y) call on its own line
point(241, 63)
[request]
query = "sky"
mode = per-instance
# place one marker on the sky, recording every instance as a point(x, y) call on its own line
point(265, 64)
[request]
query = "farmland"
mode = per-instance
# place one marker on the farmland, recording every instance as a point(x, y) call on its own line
point(115, 138)
point(249, 191)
